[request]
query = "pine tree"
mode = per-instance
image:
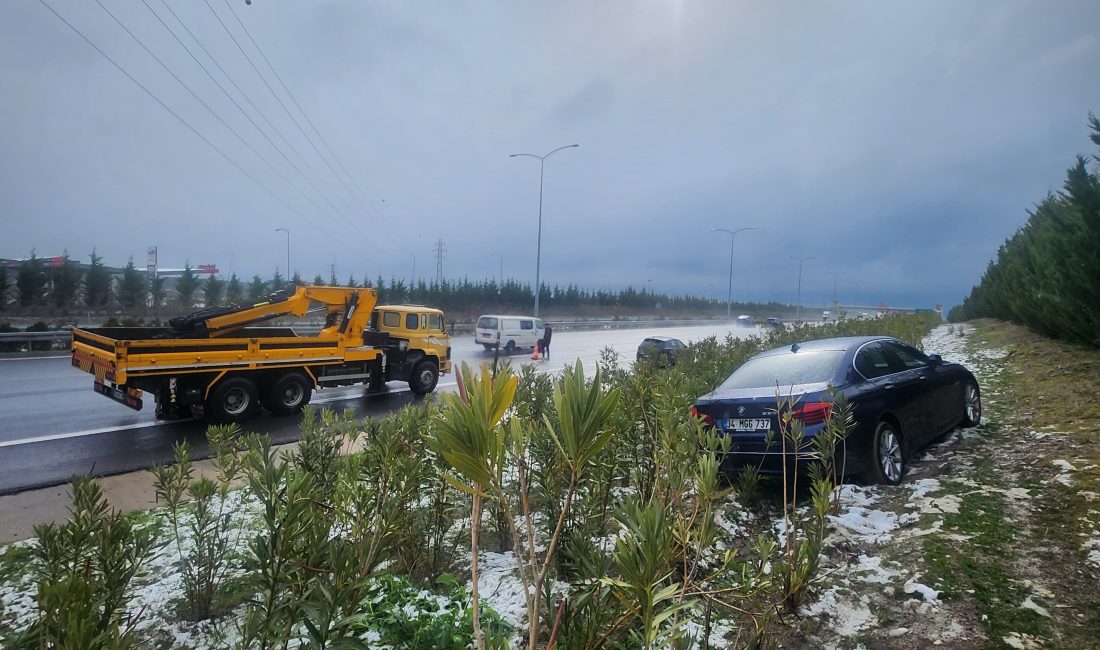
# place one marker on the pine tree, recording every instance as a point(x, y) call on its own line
point(66, 283)
point(257, 289)
point(212, 291)
point(30, 282)
point(277, 281)
point(233, 290)
point(97, 283)
point(5, 286)
point(132, 287)
point(352, 282)
point(318, 281)
point(297, 280)
point(186, 286)
point(157, 292)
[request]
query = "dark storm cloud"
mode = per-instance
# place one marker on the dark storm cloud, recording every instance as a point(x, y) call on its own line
point(897, 143)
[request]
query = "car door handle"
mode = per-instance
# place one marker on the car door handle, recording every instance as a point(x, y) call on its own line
point(888, 387)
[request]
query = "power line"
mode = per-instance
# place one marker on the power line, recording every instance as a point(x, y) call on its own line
point(176, 115)
point(440, 251)
point(243, 112)
point(278, 99)
point(256, 45)
point(204, 104)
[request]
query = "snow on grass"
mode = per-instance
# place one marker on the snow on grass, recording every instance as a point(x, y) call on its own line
point(870, 570)
point(848, 614)
point(868, 525)
point(929, 594)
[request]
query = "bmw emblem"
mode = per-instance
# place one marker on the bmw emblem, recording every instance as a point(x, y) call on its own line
point(740, 410)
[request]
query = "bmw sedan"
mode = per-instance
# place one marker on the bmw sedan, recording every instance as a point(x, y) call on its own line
point(901, 399)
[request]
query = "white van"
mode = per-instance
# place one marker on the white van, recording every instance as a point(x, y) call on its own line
point(509, 332)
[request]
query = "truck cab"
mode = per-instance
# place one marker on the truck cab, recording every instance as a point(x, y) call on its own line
point(418, 348)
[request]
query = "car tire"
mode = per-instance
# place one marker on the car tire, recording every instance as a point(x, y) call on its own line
point(234, 399)
point(288, 394)
point(972, 405)
point(489, 347)
point(424, 377)
point(510, 348)
point(886, 464)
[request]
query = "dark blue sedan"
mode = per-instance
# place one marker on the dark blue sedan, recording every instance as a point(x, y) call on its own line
point(901, 399)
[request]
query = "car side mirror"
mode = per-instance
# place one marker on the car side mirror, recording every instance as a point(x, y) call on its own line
point(935, 359)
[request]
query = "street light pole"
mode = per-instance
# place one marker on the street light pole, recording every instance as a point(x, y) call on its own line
point(729, 292)
point(798, 309)
point(287, 231)
point(836, 275)
point(538, 248)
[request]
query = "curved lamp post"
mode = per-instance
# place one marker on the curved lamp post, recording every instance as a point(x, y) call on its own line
point(729, 292)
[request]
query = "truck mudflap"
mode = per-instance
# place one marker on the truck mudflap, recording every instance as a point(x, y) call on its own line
point(124, 395)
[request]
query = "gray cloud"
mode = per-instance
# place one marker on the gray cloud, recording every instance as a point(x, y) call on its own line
point(898, 143)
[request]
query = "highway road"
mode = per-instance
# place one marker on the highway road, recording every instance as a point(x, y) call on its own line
point(53, 426)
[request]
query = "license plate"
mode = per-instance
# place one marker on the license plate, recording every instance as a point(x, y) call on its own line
point(747, 424)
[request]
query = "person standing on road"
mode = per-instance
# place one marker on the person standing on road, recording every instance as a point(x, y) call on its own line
point(545, 342)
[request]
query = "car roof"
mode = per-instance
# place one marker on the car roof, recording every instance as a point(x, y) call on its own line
point(663, 339)
point(411, 308)
point(843, 343)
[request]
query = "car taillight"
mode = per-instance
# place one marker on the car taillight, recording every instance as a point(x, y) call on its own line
point(707, 420)
point(812, 413)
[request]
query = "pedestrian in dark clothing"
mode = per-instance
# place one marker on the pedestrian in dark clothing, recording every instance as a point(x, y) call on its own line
point(546, 334)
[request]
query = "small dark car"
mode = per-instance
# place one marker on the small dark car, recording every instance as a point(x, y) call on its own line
point(901, 400)
point(664, 349)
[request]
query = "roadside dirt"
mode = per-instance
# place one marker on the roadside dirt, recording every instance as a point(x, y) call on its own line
point(991, 541)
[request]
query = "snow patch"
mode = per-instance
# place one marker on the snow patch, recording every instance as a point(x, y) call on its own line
point(847, 617)
point(865, 524)
point(929, 594)
point(1033, 606)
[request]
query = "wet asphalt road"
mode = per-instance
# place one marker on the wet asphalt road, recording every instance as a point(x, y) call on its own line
point(53, 426)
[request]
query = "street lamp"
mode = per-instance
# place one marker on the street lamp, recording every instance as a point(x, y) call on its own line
point(538, 249)
point(287, 231)
point(733, 235)
point(798, 309)
point(500, 287)
point(836, 275)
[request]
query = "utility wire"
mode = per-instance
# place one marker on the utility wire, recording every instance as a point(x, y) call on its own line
point(243, 112)
point(271, 90)
point(207, 106)
point(380, 218)
point(182, 121)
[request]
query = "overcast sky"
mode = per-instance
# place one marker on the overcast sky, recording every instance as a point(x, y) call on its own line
point(897, 143)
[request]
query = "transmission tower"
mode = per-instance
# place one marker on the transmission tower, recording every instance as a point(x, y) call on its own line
point(440, 251)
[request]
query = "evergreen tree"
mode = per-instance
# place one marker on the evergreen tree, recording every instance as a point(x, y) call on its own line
point(233, 290)
point(318, 281)
point(132, 288)
point(66, 283)
point(30, 282)
point(157, 292)
point(297, 280)
point(277, 281)
point(97, 283)
point(352, 282)
point(257, 289)
point(5, 286)
point(212, 291)
point(186, 286)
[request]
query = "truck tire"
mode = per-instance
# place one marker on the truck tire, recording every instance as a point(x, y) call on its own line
point(510, 348)
point(234, 399)
point(288, 393)
point(424, 377)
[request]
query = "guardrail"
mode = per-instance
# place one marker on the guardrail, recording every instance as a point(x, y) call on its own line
point(62, 339)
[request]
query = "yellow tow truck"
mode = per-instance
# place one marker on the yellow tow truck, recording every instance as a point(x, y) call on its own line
point(219, 363)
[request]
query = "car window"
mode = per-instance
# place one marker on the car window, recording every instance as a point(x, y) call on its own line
point(872, 361)
point(526, 325)
point(435, 322)
point(411, 321)
point(510, 324)
point(391, 319)
point(486, 322)
point(816, 367)
point(907, 357)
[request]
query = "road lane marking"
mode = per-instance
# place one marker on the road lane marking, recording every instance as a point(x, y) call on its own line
point(60, 356)
point(157, 423)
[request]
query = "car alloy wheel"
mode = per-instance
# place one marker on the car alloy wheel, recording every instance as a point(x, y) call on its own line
point(973, 405)
point(889, 455)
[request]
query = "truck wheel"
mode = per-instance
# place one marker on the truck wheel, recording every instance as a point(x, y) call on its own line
point(288, 394)
point(424, 377)
point(234, 399)
point(510, 348)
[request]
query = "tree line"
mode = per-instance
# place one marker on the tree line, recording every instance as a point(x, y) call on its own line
point(68, 287)
point(1047, 275)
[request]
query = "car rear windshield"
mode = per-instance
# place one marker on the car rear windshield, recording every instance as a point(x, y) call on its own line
point(815, 367)
point(487, 323)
